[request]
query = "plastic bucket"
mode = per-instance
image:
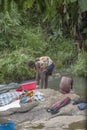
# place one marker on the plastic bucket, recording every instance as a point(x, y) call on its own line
point(7, 126)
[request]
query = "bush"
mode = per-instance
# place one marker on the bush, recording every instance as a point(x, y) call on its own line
point(13, 66)
point(80, 67)
point(63, 51)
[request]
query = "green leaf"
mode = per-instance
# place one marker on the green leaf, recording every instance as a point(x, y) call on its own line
point(73, 1)
point(83, 5)
point(29, 3)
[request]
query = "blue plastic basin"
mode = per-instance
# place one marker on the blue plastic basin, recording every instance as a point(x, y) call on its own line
point(7, 126)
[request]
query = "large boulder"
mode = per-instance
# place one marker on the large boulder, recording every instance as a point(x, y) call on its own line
point(37, 117)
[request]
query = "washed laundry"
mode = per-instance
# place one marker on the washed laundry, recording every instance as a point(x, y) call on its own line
point(56, 107)
point(6, 98)
point(15, 104)
point(6, 87)
point(39, 96)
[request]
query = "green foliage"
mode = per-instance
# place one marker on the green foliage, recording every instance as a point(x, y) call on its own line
point(13, 66)
point(80, 67)
point(18, 44)
point(22, 38)
point(83, 5)
point(63, 52)
point(9, 29)
point(15, 35)
point(7, 5)
point(30, 17)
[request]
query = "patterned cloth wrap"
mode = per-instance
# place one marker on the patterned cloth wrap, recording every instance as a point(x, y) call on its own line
point(6, 98)
point(44, 62)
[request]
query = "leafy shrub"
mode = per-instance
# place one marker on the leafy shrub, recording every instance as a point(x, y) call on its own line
point(14, 34)
point(63, 51)
point(18, 44)
point(13, 66)
point(80, 67)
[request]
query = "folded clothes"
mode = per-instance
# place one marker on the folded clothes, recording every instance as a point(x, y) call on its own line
point(15, 104)
point(82, 106)
point(39, 96)
point(25, 99)
point(29, 93)
point(6, 98)
point(5, 88)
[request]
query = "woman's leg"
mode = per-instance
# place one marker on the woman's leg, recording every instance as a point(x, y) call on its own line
point(46, 80)
point(38, 77)
point(42, 79)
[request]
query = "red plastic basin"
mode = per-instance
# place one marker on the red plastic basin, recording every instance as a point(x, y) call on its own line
point(29, 85)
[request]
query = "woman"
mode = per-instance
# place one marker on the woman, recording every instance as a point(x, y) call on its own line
point(44, 67)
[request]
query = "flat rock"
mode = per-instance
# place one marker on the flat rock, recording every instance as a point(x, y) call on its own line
point(39, 118)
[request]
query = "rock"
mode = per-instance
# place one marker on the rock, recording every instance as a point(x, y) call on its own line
point(38, 118)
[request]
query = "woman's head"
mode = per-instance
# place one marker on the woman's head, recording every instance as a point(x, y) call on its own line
point(31, 64)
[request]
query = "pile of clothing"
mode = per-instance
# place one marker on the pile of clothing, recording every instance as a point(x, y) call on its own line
point(14, 99)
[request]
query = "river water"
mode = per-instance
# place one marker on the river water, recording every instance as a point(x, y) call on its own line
point(80, 84)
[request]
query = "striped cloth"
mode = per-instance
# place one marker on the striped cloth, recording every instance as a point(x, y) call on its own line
point(8, 97)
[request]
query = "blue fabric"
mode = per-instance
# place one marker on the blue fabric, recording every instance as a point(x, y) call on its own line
point(50, 69)
point(24, 99)
point(82, 106)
